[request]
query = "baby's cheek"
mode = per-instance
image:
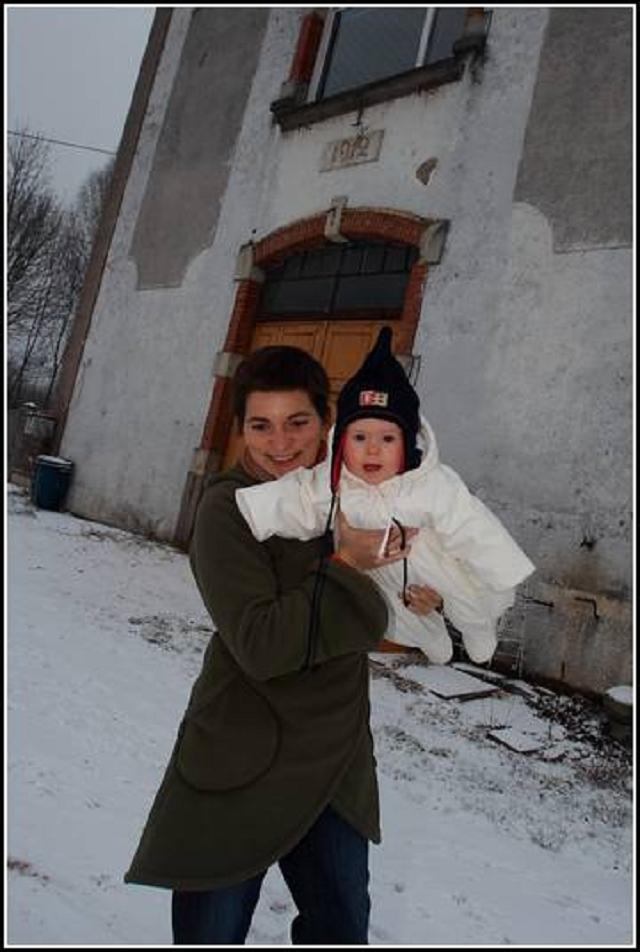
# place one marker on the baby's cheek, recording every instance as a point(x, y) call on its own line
point(350, 457)
point(398, 457)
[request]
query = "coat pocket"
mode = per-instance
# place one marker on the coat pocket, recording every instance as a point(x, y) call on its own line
point(229, 741)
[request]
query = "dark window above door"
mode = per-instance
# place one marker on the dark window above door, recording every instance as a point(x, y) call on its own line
point(340, 279)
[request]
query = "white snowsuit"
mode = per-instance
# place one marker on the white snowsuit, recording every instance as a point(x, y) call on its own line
point(461, 550)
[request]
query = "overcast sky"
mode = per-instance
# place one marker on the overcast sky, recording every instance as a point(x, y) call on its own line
point(70, 75)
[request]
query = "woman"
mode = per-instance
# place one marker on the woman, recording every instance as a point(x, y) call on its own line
point(274, 756)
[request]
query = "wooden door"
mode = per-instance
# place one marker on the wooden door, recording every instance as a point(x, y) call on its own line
point(341, 347)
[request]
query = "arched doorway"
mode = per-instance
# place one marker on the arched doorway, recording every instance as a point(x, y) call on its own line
point(369, 267)
point(331, 302)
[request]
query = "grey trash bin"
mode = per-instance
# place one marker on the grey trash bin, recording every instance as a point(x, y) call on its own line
point(51, 481)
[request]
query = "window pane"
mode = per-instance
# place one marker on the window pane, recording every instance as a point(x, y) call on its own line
point(324, 261)
point(379, 291)
point(447, 28)
point(293, 266)
point(351, 261)
point(371, 44)
point(373, 258)
point(289, 297)
point(396, 259)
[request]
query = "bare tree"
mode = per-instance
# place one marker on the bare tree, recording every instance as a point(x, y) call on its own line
point(74, 247)
point(49, 250)
point(89, 206)
point(33, 220)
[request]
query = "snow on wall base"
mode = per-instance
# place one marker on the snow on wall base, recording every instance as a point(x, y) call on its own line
point(160, 529)
point(567, 638)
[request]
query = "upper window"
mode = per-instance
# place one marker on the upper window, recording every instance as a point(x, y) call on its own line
point(366, 45)
point(368, 55)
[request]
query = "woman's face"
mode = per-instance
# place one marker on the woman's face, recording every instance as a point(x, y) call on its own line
point(282, 430)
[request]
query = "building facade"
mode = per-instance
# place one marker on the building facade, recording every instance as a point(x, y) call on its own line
point(304, 176)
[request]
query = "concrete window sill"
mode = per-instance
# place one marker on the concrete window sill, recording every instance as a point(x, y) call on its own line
point(291, 113)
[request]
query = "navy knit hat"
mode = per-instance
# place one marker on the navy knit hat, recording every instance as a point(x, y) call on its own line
point(379, 389)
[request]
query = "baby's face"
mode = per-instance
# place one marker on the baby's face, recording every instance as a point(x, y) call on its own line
point(374, 449)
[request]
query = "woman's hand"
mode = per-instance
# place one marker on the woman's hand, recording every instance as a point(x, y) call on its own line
point(360, 547)
point(421, 599)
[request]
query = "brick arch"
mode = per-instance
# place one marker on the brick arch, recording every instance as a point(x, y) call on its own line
point(304, 234)
point(353, 223)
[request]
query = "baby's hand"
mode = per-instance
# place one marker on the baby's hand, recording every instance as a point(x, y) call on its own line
point(360, 547)
point(421, 599)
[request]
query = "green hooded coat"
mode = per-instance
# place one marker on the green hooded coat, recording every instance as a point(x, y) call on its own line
point(264, 745)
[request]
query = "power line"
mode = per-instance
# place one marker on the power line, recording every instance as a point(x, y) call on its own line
point(70, 145)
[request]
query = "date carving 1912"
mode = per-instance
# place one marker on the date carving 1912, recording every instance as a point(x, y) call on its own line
point(364, 147)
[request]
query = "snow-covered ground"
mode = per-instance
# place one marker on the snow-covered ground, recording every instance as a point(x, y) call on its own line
point(481, 845)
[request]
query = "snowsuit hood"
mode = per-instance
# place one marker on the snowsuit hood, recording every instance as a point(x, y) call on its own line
point(379, 389)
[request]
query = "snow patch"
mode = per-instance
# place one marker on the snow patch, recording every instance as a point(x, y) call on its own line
point(481, 845)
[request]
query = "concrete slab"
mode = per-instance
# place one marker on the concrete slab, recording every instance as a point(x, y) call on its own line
point(449, 683)
point(485, 674)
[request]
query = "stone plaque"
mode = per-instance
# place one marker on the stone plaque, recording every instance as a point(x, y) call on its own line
point(364, 147)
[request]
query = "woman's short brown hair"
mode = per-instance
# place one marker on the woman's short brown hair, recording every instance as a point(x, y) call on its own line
point(280, 368)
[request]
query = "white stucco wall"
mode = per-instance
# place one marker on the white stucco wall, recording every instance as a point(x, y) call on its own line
point(507, 325)
point(146, 375)
point(133, 420)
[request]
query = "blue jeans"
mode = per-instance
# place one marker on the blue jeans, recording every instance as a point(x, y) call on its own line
point(327, 874)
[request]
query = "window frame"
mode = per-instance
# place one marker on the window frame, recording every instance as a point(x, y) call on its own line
point(296, 109)
point(337, 276)
point(321, 64)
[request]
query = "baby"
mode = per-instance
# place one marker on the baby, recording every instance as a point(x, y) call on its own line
point(384, 470)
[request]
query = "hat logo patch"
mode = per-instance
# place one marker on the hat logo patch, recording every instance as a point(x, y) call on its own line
point(373, 398)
